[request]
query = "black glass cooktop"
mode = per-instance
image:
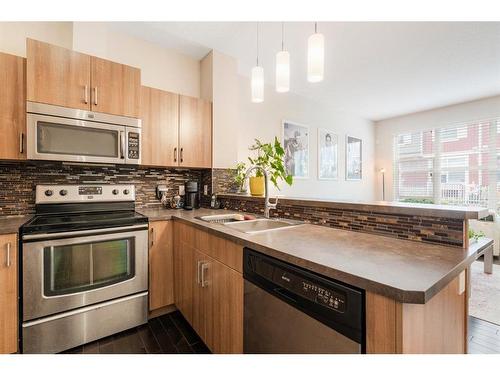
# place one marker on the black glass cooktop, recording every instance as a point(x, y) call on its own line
point(67, 222)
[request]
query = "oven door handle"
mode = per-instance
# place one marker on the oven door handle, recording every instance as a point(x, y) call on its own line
point(122, 145)
point(78, 233)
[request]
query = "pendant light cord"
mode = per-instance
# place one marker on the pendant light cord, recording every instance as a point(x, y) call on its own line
point(257, 44)
point(282, 36)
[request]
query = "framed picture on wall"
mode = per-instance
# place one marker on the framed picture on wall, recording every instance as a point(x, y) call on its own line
point(353, 159)
point(296, 146)
point(328, 157)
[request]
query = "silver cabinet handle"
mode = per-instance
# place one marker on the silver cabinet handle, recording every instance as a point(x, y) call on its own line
point(204, 267)
point(122, 145)
point(182, 155)
point(8, 262)
point(86, 95)
point(21, 143)
point(198, 270)
point(95, 95)
point(175, 154)
point(153, 236)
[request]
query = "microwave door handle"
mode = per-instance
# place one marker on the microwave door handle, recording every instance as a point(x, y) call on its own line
point(122, 145)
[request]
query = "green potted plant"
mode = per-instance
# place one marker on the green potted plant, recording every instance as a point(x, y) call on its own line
point(270, 157)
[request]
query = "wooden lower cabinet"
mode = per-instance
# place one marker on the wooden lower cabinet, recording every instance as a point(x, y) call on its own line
point(8, 293)
point(437, 327)
point(226, 296)
point(208, 292)
point(184, 278)
point(161, 265)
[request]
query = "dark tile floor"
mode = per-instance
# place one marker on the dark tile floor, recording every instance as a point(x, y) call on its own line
point(172, 334)
point(484, 337)
point(167, 334)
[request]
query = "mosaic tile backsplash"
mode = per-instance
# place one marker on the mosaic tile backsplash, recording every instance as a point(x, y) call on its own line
point(18, 181)
point(408, 227)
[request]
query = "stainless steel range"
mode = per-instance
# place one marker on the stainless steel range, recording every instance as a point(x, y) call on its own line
point(84, 266)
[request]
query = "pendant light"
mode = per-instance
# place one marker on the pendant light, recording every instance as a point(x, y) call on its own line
point(257, 80)
point(315, 56)
point(282, 66)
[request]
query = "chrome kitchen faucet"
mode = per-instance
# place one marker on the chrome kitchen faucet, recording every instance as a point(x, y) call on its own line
point(268, 206)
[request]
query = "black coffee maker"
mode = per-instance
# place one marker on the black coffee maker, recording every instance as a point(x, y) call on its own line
point(191, 197)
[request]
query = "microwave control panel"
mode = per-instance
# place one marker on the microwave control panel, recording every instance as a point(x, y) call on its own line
point(133, 145)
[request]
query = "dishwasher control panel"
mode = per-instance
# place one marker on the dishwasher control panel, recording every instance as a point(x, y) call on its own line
point(312, 291)
point(323, 296)
point(301, 285)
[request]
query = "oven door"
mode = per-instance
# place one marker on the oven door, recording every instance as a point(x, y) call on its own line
point(61, 274)
point(74, 140)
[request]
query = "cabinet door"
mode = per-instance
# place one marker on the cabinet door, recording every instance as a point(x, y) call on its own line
point(161, 265)
point(116, 88)
point(160, 125)
point(57, 76)
point(12, 107)
point(201, 297)
point(195, 132)
point(184, 278)
point(8, 293)
point(225, 332)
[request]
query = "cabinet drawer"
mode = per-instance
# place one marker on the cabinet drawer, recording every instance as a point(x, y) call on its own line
point(220, 249)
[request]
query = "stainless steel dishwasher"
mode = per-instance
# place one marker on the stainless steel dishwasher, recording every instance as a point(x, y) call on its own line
point(292, 310)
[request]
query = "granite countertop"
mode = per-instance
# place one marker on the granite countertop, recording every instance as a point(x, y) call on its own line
point(417, 209)
point(407, 271)
point(11, 224)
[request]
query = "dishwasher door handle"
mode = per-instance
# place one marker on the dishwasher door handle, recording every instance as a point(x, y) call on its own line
point(285, 294)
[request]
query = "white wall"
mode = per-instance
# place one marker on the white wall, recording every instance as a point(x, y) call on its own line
point(237, 121)
point(263, 121)
point(161, 68)
point(13, 35)
point(386, 130)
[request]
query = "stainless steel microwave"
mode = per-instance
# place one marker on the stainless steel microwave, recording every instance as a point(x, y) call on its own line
point(75, 135)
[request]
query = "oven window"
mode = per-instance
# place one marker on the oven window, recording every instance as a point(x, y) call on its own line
point(81, 267)
point(76, 140)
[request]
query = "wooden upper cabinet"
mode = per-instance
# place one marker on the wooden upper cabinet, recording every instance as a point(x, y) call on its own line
point(161, 265)
point(66, 78)
point(8, 293)
point(195, 132)
point(57, 75)
point(12, 107)
point(160, 127)
point(116, 88)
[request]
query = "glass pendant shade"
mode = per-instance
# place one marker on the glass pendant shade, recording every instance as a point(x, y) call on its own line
point(315, 57)
point(283, 71)
point(257, 84)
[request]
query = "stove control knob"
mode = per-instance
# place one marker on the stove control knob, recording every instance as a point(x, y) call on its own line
point(115, 191)
point(63, 192)
point(126, 191)
point(48, 193)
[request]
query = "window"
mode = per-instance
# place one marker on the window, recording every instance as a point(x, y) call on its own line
point(453, 134)
point(457, 165)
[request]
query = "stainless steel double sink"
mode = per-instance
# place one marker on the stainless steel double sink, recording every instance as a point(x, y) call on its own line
point(259, 225)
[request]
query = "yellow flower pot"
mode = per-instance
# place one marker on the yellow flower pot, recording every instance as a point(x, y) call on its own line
point(257, 186)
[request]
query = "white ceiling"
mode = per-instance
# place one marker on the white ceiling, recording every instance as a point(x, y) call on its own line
point(376, 70)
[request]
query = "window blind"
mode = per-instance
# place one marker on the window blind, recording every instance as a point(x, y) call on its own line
point(456, 165)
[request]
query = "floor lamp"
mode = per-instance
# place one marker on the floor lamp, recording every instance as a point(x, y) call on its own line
point(382, 170)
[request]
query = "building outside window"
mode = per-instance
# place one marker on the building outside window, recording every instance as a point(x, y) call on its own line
point(457, 165)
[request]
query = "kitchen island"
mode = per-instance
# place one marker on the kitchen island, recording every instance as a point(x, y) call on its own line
point(416, 293)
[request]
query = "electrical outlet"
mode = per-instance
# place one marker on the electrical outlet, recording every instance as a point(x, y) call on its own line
point(205, 189)
point(181, 189)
